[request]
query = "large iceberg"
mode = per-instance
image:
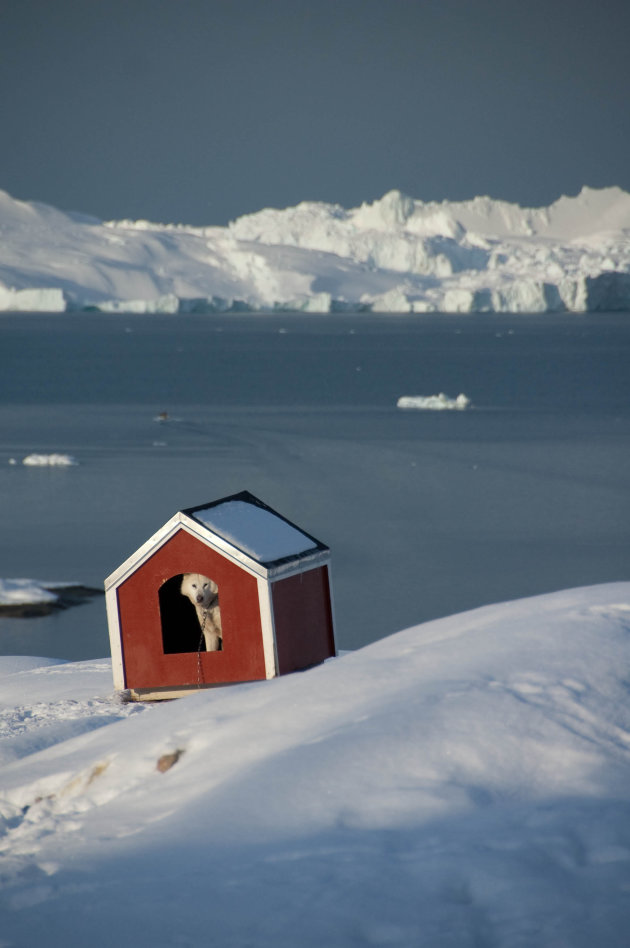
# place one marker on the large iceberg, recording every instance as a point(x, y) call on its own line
point(396, 254)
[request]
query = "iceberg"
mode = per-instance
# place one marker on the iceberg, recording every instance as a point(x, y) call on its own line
point(28, 598)
point(168, 303)
point(395, 254)
point(49, 460)
point(35, 300)
point(439, 402)
point(20, 592)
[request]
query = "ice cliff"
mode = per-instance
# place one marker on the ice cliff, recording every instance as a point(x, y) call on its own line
point(396, 254)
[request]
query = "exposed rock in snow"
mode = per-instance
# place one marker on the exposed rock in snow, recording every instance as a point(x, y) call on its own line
point(395, 254)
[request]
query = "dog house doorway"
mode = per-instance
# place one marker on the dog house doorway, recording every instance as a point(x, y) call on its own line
point(182, 629)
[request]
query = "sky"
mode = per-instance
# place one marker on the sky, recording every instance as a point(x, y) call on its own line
point(199, 111)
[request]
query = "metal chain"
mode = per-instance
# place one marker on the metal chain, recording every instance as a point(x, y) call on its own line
point(201, 642)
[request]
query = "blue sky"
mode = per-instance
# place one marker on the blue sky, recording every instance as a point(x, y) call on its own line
point(198, 111)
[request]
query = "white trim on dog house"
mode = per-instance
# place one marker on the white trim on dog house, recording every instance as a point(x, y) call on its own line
point(236, 528)
point(268, 631)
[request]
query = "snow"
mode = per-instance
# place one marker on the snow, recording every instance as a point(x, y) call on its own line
point(434, 402)
point(25, 591)
point(254, 530)
point(463, 782)
point(35, 300)
point(18, 596)
point(394, 254)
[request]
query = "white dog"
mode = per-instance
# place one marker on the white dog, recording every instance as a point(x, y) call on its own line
point(203, 593)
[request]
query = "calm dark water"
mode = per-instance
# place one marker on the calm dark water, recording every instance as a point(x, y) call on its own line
point(426, 513)
point(524, 363)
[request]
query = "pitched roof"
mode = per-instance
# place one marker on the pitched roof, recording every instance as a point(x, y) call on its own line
point(254, 528)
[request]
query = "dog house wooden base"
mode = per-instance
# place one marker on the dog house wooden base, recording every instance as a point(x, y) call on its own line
point(273, 592)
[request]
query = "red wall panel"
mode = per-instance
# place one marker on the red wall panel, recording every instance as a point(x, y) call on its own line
point(146, 665)
point(303, 619)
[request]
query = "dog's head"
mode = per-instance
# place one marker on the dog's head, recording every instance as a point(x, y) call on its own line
point(200, 589)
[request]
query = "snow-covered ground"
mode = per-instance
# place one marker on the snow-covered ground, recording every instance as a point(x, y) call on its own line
point(394, 255)
point(462, 783)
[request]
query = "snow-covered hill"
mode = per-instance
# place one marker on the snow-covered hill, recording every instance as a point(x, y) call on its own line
point(397, 254)
point(464, 782)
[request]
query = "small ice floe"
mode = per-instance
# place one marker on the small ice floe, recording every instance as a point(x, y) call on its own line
point(24, 591)
point(49, 460)
point(23, 598)
point(439, 402)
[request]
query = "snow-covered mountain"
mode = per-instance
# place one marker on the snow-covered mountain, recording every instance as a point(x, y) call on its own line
point(394, 255)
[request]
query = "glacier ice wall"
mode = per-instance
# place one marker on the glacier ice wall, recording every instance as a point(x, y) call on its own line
point(396, 254)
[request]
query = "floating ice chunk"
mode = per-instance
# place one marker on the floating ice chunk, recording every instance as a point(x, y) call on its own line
point(26, 598)
point(49, 460)
point(433, 402)
point(24, 591)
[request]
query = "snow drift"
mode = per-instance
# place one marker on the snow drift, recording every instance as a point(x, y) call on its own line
point(464, 782)
point(396, 254)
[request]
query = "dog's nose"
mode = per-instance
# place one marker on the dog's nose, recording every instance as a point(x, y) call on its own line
point(199, 597)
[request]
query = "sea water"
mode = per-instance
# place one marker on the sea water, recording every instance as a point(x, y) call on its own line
point(427, 513)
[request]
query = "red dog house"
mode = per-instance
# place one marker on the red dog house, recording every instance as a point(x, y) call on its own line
point(273, 588)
